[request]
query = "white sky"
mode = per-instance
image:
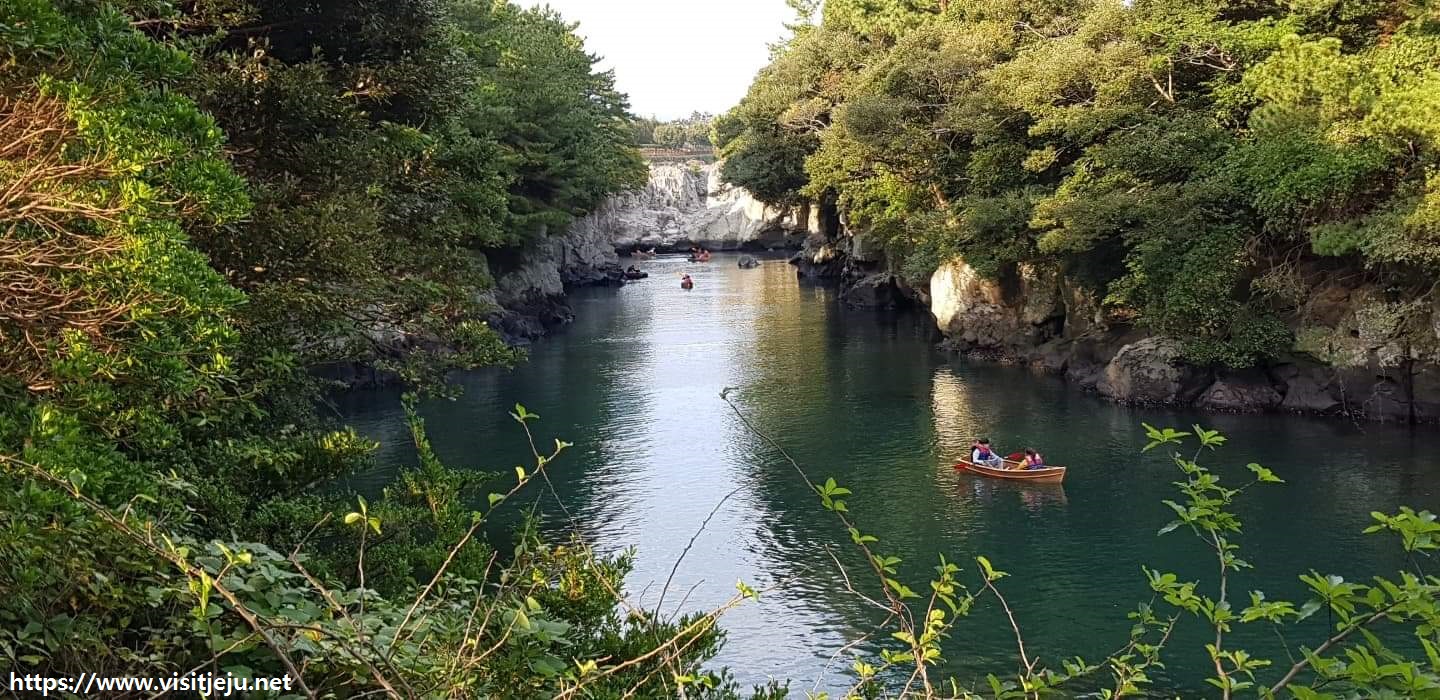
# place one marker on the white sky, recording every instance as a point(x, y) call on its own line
point(673, 57)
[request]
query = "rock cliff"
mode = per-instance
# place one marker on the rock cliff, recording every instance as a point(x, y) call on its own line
point(529, 293)
point(686, 204)
point(1351, 355)
point(682, 205)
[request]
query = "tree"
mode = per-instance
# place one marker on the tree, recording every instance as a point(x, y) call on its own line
point(1185, 162)
point(670, 136)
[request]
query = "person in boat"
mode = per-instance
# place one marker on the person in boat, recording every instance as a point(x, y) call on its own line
point(983, 455)
point(1033, 459)
point(686, 282)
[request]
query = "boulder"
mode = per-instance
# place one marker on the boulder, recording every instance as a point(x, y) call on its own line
point(1305, 395)
point(1021, 309)
point(1240, 393)
point(863, 249)
point(1306, 388)
point(1151, 371)
point(747, 262)
point(1053, 357)
point(1387, 401)
point(1425, 393)
point(879, 291)
point(1092, 352)
point(819, 259)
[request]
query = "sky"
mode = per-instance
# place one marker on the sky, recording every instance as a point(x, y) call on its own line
point(673, 57)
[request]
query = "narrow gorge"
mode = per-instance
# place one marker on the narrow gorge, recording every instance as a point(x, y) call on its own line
point(1351, 357)
point(682, 205)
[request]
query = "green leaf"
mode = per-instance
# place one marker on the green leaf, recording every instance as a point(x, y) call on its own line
point(990, 573)
point(1264, 475)
point(496, 498)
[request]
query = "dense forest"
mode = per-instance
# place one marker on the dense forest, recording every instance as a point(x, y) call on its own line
point(688, 132)
point(202, 200)
point(1200, 167)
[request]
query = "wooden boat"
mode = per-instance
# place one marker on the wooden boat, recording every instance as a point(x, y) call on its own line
point(1014, 471)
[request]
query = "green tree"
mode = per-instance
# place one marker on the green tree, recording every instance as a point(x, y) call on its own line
point(670, 136)
point(1167, 155)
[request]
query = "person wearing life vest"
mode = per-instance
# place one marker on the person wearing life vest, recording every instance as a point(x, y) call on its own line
point(982, 454)
point(1033, 459)
point(686, 282)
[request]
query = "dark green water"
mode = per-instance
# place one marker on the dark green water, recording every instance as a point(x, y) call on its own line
point(864, 398)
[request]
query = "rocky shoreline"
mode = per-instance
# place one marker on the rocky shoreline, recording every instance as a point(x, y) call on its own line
point(1039, 319)
point(683, 205)
point(1346, 362)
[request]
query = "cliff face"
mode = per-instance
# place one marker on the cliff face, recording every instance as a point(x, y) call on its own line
point(682, 205)
point(686, 204)
point(1351, 356)
point(529, 292)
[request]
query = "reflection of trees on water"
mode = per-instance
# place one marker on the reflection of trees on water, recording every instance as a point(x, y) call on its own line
point(847, 394)
point(861, 397)
point(589, 383)
point(560, 382)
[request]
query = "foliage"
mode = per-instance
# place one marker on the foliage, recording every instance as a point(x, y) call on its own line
point(1352, 661)
point(203, 200)
point(340, 176)
point(689, 132)
point(544, 623)
point(379, 161)
point(1165, 154)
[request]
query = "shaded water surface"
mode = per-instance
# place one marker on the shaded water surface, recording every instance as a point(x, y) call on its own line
point(865, 398)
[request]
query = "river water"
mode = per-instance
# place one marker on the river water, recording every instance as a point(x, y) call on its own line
point(865, 398)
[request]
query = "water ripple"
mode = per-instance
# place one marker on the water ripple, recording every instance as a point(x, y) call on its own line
point(864, 398)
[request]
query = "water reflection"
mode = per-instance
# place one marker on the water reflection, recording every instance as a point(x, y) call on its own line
point(864, 398)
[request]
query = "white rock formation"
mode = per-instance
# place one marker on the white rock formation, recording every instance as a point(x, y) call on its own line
point(686, 204)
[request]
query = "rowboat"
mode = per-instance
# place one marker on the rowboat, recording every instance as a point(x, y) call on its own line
point(1014, 471)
